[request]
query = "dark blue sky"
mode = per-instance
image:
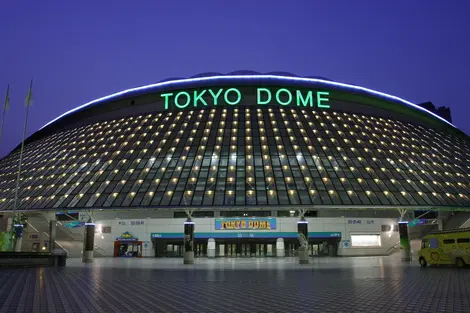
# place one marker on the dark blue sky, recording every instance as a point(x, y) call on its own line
point(77, 51)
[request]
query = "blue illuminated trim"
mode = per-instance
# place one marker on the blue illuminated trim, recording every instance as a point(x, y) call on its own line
point(403, 222)
point(253, 77)
point(89, 224)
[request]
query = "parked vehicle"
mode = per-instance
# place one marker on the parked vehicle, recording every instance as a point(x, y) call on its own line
point(446, 248)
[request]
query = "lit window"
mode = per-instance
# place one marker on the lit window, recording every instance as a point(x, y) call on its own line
point(365, 241)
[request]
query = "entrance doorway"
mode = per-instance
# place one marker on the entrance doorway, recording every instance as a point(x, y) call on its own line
point(174, 248)
point(200, 248)
point(128, 249)
point(324, 248)
point(316, 247)
point(245, 248)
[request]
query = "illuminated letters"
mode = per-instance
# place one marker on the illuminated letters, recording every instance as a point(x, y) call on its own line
point(215, 96)
point(304, 101)
point(233, 96)
point(238, 94)
point(198, 97)
point(188, 99)
point(278, 98)
point(166, 95)
point(259, 95)
point(320, 99)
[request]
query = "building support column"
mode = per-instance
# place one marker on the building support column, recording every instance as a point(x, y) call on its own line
point(52, 235)
point(211, 248)
point(280, 249)
point(19, 228)
point(89, 242)
point(405, 249)
point(189, 241)
point(302, 232)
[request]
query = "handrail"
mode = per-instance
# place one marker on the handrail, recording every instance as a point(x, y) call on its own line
point(395, 246)
point(69, 233)
point(48, 235)
point(100, 250)
point(55, 241)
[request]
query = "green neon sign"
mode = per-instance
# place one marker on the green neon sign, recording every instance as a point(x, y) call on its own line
point(234, 96)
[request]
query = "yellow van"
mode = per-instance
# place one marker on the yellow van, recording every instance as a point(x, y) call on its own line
point(446, 248)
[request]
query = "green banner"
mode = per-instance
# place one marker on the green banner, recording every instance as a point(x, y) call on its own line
point(5, 241)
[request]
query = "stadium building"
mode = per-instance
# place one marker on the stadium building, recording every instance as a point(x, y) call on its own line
point(246, 160)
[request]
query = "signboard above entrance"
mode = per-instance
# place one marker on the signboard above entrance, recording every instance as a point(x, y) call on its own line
point(232, 96)
point(127, 236)
point(245, 223)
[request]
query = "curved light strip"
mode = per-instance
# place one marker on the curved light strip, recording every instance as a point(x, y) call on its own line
point(249, 77)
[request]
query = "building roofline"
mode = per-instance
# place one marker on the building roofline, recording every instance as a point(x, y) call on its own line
point(173, 83)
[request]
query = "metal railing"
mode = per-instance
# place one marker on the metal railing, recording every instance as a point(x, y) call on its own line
point(393, 248)
point(99, 250)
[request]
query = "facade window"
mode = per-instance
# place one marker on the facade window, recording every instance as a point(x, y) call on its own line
point(245, 213)
point(196, 214)
point(253, 156)
point(386, 228)
point(106, 229)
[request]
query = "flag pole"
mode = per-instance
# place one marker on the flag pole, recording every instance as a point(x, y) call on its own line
point(5, 108)
point(15, 203)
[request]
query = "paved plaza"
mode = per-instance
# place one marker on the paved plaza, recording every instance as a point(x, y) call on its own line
point(360, 284)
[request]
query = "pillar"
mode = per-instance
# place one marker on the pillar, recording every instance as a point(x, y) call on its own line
point(189, 241)
point(211, 248)
point(89, 242)
point(302, 230)
point(19, 236)
point(280, 249)
point(405, 249)
point(52, 235)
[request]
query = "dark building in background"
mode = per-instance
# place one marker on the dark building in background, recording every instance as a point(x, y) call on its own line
point(443, 112)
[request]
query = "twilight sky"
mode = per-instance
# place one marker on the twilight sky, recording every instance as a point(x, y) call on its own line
point(77, 51)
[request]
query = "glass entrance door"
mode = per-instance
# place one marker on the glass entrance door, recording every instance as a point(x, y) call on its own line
point(220, 250)
point(313, 250)
point(260, 250)
point(231, 250)
point(290, 249)
point(174, 250)
point(245, 250)
point(201, 250)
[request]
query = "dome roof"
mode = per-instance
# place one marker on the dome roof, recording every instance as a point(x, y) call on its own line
point(251, 77)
